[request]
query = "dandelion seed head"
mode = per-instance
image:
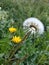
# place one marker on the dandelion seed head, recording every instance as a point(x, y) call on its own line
point(34, 25)
point(0, 8)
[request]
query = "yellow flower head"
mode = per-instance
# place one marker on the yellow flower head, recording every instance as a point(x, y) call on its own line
point(12, 29)
point(16, 39)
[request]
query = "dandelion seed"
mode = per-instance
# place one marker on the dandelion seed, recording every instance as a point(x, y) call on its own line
point(34, 25)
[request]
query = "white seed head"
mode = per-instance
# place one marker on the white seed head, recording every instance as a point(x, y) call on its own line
point(0, 8)
point(34, 25)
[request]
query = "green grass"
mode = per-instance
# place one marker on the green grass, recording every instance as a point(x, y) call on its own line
point(34, 50)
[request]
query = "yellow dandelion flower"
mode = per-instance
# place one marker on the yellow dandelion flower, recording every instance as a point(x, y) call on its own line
point(12, 29)
point(16, 39)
